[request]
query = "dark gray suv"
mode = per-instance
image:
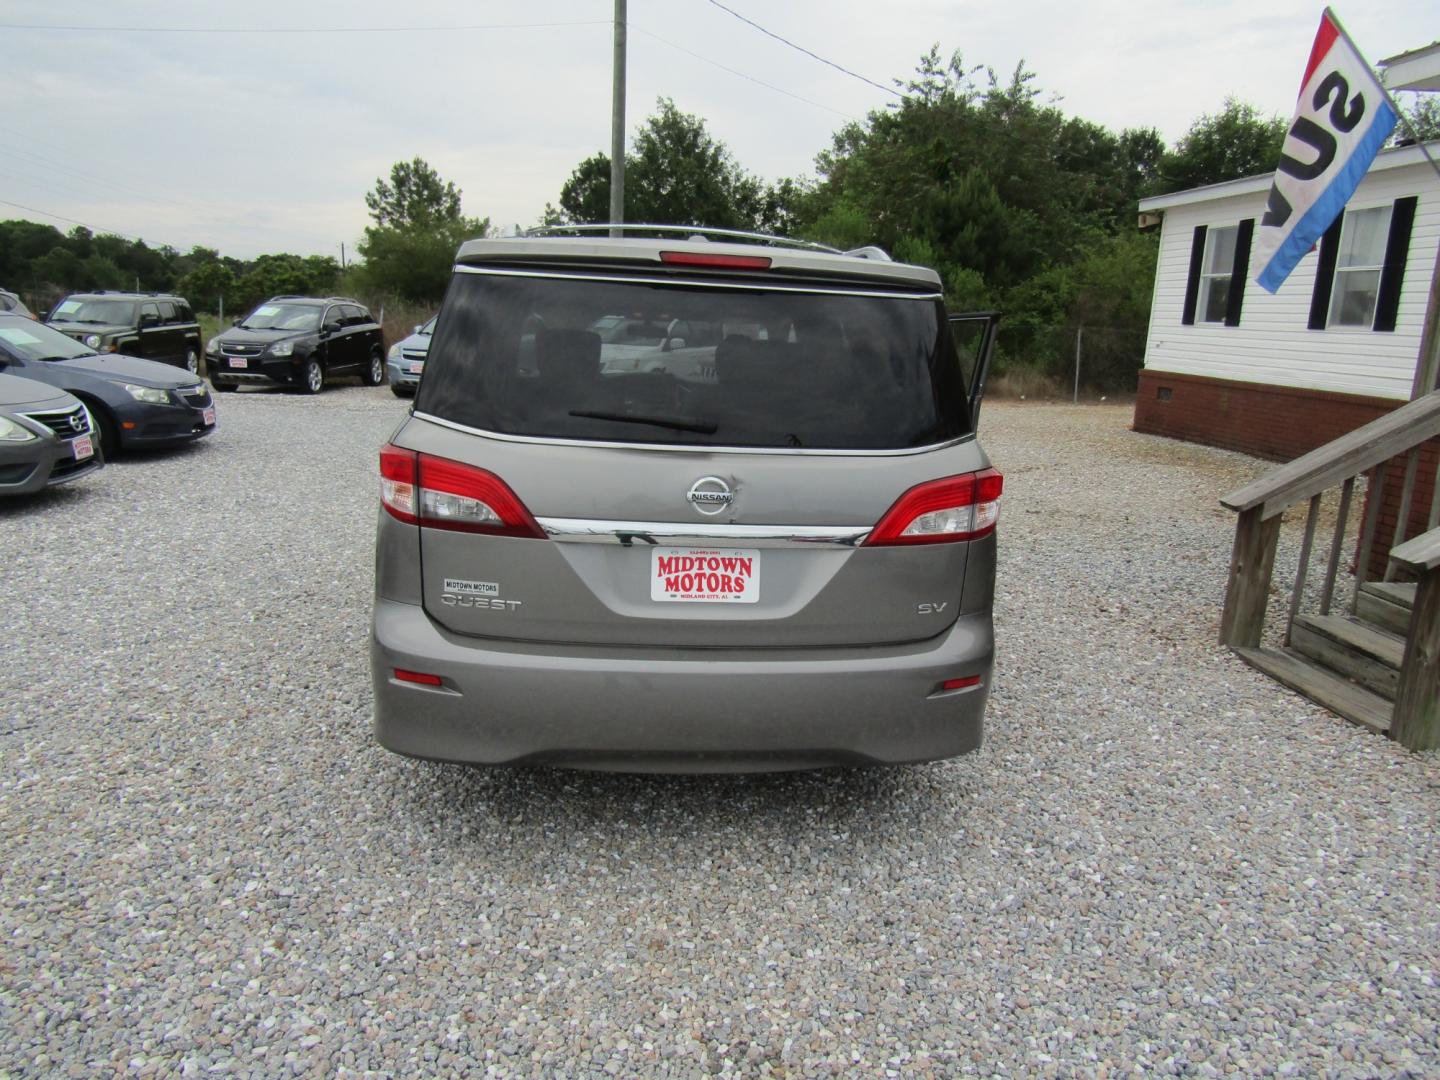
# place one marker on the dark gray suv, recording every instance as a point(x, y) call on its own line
point(709, 502)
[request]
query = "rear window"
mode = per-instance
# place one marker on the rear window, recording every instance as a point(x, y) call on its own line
point(693, 364)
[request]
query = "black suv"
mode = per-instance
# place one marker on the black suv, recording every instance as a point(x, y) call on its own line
point(152, 326)
point(298, 341)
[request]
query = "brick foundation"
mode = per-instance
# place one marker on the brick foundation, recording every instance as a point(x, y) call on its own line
point(1275, 422)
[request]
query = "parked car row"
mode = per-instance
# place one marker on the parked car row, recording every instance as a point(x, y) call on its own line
point(65, 406)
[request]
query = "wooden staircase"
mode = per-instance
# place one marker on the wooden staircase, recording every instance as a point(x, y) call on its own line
point(1371, 652)
point(1350, 664)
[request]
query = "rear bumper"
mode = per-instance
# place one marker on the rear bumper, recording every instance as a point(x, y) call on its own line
point(675, 710)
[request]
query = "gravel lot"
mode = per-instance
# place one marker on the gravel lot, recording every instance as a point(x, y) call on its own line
point(1159, 861)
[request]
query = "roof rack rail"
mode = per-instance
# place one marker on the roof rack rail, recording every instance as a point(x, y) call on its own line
point(688, 232)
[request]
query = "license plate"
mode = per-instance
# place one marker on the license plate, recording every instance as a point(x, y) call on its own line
point(239, 362)
point(705, 575)
point(417, 366)
point(82, 447)
point(208, 416)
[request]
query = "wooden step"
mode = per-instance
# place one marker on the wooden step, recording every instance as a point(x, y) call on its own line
point(1397, 592)
point(1352, 649)
point(1387, 604)
point(1383, 613)
point(1325, 688)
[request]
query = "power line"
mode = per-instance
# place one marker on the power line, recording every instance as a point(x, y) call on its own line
point(295, 29)
point(807, 52)
point(741, 74)
point(72, 221)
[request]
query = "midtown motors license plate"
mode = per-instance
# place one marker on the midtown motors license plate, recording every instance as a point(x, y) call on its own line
point(208, 416)
point(82, 448)
point(705, 575)
point(239, 362)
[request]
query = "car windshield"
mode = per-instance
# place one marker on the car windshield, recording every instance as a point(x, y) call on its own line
point(283, 317)
point(29, 340)
point(99, 312)
point(695, 364)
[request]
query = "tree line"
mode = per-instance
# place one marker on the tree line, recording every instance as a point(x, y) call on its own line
point(1017, 205)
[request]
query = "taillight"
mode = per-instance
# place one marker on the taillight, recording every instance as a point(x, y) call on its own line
point(397, 483)
point(421, 489)
point(942, 511)
point(729, 262)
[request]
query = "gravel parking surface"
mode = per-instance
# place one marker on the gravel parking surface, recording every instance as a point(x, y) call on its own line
point(1159, 861)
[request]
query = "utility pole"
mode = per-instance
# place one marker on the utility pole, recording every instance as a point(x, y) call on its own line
point(617, 124)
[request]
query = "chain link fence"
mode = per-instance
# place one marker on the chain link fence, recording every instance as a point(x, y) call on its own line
point(1100, 359)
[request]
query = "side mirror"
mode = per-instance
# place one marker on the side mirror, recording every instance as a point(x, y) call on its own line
point(673, 343)
point(417, 328)
point(235, 321)
point(331, 327)
point(149, 320)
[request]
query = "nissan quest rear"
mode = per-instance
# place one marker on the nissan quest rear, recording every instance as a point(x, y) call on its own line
point(685, 500)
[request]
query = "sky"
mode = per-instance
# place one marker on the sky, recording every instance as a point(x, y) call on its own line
point(259, 127)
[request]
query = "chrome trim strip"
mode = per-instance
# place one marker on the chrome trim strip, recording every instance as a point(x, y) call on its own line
point(689, 448)
point(627, 533)
point(707, 283)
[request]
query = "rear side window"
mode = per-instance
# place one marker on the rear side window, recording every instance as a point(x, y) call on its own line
point(693, 363)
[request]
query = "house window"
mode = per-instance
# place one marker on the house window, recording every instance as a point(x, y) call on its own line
point(1215, 284)
point(1217, 270)
point(1358, 263)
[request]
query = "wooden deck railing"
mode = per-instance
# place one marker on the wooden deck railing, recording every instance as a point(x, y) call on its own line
point(1367, 451)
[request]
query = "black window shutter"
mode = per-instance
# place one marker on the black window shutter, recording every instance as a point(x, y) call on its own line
point(1397, 249)
point(1192, 283)
point(1239, 272)
point(1325, 275)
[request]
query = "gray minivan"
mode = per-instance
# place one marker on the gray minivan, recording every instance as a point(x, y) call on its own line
point(687, 500)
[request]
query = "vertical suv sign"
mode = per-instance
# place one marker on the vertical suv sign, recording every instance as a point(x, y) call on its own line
point(1342, 119)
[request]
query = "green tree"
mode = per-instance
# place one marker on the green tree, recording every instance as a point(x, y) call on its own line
point(415, 197)
point(414, 264)
point(1423, 113)
point(677, 173)
point(410, 249)
point(1235, 142)
point(278, 275)
point(206, 284)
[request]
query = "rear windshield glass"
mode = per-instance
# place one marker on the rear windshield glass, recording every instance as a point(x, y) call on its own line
point(693, 364)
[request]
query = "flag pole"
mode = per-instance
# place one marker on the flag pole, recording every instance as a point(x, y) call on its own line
point(1399, 112)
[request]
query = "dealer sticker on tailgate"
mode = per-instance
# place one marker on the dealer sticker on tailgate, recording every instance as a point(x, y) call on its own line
point(705, 575)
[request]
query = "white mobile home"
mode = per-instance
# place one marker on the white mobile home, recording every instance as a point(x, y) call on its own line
point(1228, 364)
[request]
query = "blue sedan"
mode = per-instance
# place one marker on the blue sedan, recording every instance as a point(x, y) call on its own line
point(135, 403)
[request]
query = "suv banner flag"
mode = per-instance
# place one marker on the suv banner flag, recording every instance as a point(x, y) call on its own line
point(1342, 119)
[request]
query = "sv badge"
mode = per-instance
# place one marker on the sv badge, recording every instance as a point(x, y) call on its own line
point(931, 609)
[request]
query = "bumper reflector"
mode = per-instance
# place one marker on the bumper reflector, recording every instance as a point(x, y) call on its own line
point(960, 684)
point(420, 677)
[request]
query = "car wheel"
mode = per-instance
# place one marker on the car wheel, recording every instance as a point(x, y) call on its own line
point(192, 361)
point(374, 373)
point(109, 433)
point(401, 391)
point(312, 376)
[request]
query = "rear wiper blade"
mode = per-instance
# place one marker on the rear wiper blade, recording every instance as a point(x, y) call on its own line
point(700, 427)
